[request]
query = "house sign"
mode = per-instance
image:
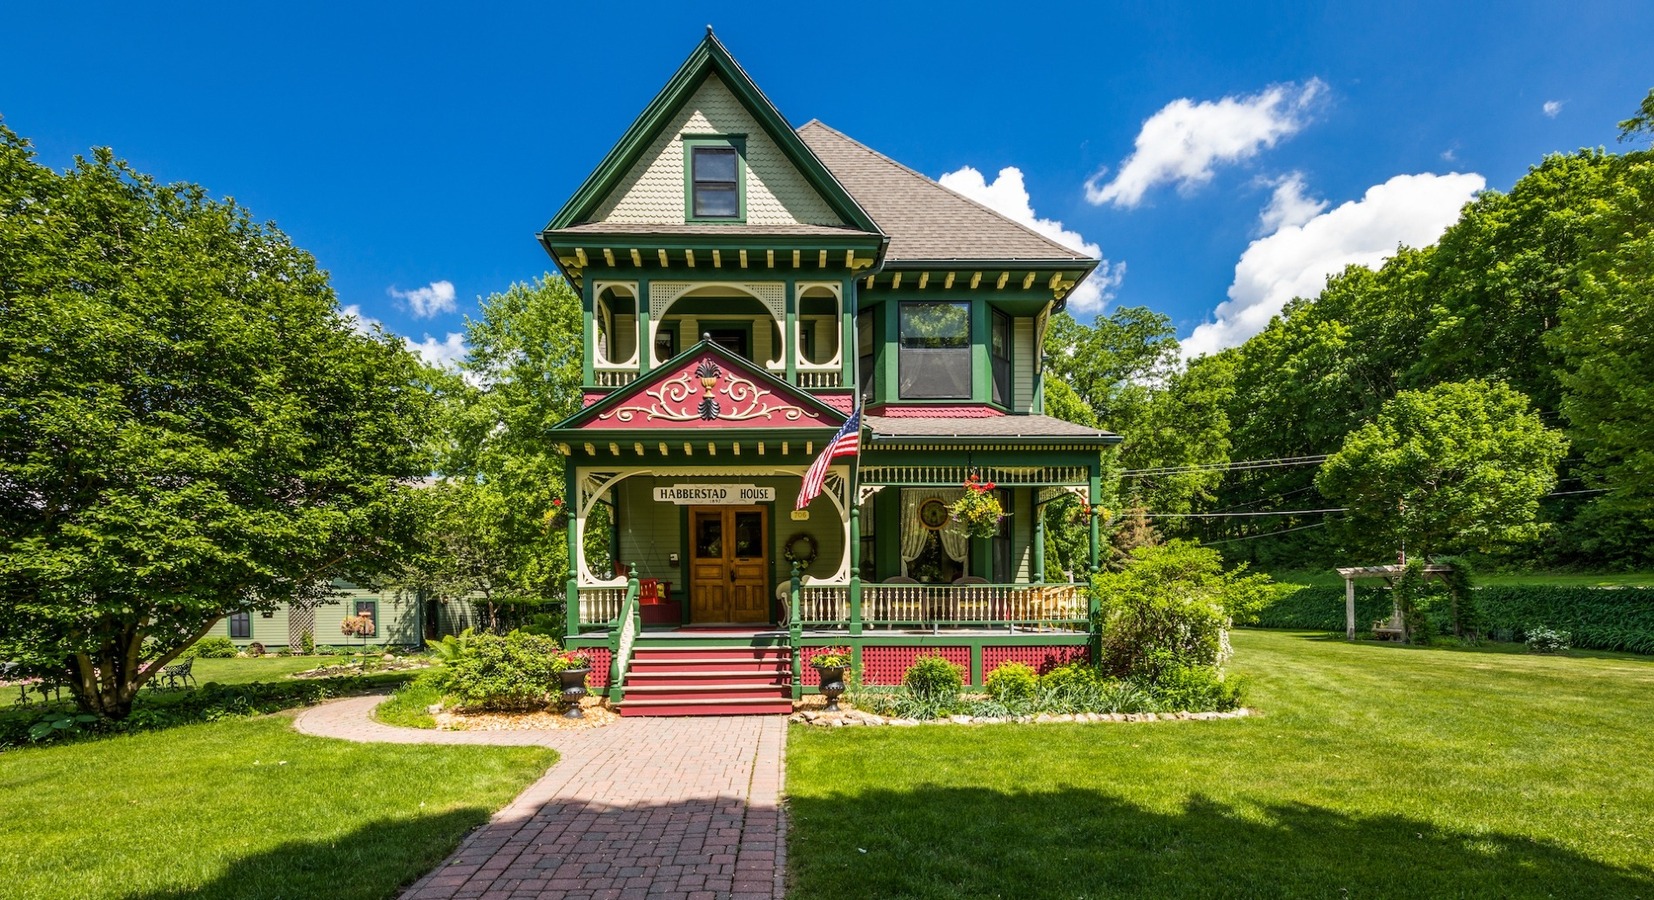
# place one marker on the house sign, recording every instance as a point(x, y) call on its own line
point(714, 494)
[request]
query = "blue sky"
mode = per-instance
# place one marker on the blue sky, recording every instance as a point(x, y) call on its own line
point(1220, 157)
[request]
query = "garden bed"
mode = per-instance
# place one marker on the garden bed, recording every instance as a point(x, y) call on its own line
point(595, 714)
point(807, 713)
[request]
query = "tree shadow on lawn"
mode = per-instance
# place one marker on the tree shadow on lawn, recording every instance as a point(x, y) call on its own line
point(956, 842)
point(371, 862)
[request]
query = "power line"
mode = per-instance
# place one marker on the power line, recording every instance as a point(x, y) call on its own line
point(1231, 515)
point(1242, 465)
point(1253, 537)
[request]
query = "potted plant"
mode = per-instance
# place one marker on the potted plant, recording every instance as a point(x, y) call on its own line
point(978, 513)
point(830, 664)
point(571, 667)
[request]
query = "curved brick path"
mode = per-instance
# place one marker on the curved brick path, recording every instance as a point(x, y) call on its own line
point(645, 807)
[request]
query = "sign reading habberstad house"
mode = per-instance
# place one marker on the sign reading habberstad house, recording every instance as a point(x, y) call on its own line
point(714, 494)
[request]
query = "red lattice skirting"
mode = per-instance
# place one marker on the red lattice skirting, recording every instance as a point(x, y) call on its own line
point(599, 676)
point(1043, 659)
point(887, 665)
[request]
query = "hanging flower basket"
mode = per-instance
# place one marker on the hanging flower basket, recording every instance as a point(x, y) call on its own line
point(978, 513)
point(558, 518)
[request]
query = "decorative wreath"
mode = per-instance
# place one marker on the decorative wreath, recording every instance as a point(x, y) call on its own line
point(801, 548)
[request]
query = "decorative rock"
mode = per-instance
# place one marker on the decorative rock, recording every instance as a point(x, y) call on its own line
point(903, 723)
point(434, 708)
point(1066, 717)
point(960, 720)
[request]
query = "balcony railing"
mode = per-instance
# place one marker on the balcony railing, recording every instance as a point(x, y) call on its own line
point(820, 378)
point(601, 605)
point(614, 377)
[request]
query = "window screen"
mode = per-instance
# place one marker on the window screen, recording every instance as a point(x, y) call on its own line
point(716, 188)
point(935, 360)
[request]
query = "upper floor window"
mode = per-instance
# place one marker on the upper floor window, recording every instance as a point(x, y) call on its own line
point(999, 358)
point(714, 179)
point(935, 357)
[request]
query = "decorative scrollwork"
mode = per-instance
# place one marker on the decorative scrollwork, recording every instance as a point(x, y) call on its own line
point(688, 397)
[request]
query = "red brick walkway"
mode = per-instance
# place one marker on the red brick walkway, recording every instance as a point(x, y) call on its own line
point(645, 807)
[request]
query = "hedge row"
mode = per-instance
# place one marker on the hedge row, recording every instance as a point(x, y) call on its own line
point(1598, 618)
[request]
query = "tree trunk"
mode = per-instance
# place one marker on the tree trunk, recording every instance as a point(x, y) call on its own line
point(106, 683)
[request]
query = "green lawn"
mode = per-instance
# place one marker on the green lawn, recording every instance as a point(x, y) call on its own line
point(1374, 771)
point(244, 808)
point(264, 668)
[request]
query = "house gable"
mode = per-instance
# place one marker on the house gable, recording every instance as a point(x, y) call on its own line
point(642, 180)
point(704, 387)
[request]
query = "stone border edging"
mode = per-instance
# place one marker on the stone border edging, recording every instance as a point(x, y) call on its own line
point(822, 719)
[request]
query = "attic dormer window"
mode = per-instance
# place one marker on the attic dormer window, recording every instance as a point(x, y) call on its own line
point(714, 180)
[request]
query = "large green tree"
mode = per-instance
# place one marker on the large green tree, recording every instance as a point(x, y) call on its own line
point(188, 428)
point(1457, 467)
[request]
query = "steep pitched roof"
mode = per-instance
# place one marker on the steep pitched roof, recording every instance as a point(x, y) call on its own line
point(927, 222)
point(708, 58)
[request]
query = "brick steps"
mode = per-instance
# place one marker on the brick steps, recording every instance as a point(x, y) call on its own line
point(708, 681)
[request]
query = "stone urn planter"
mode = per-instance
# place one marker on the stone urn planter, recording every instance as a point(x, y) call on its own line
point(831, 663)
point(573, 684)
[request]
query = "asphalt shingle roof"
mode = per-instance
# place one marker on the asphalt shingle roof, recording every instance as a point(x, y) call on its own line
point(926, 221)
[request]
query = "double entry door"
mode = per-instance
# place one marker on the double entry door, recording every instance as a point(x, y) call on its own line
point(729, 564)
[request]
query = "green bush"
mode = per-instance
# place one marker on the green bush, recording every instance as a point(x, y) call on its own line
point(307, 642)
point(1196, 689)
point(934, 678)
point(1012, 682)
point(210, 648)
point(487, 671)
point(1169, 606)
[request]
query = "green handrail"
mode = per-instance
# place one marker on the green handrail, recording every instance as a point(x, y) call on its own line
point(622, 633)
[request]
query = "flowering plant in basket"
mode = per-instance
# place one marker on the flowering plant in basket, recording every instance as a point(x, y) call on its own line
point(831, 658)
point(567, 660)
point(978, 513)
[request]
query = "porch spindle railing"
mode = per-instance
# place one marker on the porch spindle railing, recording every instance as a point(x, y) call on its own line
point(601, 605)
point(1060, 607)
point(823, 605)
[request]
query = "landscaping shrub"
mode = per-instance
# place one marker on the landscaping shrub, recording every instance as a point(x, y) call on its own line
point(307, 642)
point(934, 677)
point(1546, 640)
point(1169, 606)
point(1012, 682)
point(1196, 689)
point(210, 648)
point(487, 671)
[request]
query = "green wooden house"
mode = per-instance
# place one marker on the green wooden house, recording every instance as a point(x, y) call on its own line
point(746, 286)
point(400, 619)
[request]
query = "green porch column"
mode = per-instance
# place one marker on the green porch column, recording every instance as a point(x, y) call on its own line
point(855, 566)
point(589, 326)
point(789, 333)
point(1038, 539)
point(1093, 497)
point(645, 346)
point(571, 502)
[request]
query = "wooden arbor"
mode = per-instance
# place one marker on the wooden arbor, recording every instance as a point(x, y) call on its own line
point(1389, 573)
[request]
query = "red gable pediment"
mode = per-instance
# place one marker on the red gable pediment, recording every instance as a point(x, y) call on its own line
point(706, 387)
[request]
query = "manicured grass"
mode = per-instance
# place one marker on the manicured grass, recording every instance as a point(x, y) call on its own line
point(246, 671)
point(243, 808)
point(1373, 771)
point(408, 706)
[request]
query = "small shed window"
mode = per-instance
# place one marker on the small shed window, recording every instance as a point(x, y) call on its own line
point(241, 625)
point(715, 182)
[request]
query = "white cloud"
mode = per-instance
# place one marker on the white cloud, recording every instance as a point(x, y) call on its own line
point(430, 300)
point(1295, 261)
point(1185, 141)
point(363, 324)
point(1289, 205)
point(1008, 196)
point(1551, 108)
point(444, 354)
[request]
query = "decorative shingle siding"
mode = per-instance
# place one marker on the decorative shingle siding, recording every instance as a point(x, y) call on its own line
point(653, 191)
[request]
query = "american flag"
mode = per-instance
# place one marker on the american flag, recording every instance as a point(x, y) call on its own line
point(845, 443)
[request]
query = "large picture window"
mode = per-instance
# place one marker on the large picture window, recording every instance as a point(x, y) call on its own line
point(935, 360)
point(715, 182)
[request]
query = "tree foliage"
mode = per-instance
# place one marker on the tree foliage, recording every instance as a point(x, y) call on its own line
point(1459, 466)
point(188, 428)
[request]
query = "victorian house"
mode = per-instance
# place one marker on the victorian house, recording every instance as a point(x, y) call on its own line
point(747, 287)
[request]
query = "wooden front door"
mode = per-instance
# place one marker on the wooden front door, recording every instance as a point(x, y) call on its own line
point(729, 564)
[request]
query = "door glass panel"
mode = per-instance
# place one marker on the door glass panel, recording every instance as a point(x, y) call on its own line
point(709, 534)
point(749, 534)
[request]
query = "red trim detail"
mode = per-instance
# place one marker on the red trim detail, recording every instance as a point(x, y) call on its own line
point(935, 412)
point(590, 397)
point(887, 665)
point(1043, 659)
point(599, 676)
point(844, 403)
